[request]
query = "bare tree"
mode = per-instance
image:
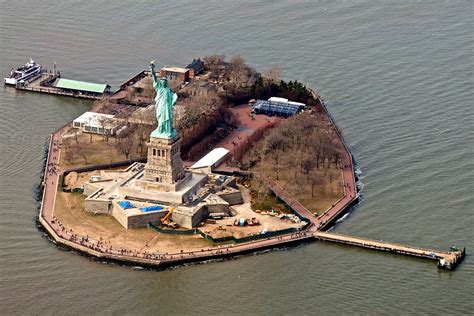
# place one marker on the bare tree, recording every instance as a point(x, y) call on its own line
point(314, 180)
point(273, 73)
point(104, 105)
point(275, 144)
point(237, 73)
point(76, 135)
point(125, 145)
point(82, 150)
point(105, 124)
point(213, 63)
point(215, 59)
point(66, 143)
point(68, 156)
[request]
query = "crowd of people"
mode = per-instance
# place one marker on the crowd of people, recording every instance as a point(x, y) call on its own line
point(104, 246)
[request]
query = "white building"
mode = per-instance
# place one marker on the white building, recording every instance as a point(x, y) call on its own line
point(284, 100)
point(211, 160)
point(97, 123)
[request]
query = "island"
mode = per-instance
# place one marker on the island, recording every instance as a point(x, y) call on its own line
point(203, 162)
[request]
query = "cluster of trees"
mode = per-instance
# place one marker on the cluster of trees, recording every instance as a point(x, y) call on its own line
point(265, 88)
point(234, 77)
point(134, 129)
point(199, 118)
point(295, 150)
point(239, 81)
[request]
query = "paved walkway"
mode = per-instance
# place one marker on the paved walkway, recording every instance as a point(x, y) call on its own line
point(247, 126)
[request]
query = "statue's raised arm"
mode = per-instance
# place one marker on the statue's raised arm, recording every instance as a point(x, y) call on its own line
point(152, 70)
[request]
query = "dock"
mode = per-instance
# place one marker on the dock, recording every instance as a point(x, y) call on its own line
point(446, 260)
point(44, 83)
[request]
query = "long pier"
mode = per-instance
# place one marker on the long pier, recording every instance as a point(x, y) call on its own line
point(446, 260)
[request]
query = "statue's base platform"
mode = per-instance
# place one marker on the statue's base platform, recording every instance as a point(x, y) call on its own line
point(177, 193)
point(164, 166)
point(156, 134)
point(165, 187)
point(192, 198)
point(163, 140)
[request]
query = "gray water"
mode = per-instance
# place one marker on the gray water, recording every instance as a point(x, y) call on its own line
point(399, 80)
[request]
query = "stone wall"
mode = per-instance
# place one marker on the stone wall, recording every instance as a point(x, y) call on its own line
point(218, 208)
point(191, 218)
point(136, 220)
point(98, 206)
point(119, 214)
point(169, 197)
point(90, 188)
point(142, 220)
point(232, 197)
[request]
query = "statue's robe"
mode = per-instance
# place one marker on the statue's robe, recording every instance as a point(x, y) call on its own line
point(165, 100)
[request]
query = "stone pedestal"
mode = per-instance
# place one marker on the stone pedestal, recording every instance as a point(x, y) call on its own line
point(164, 169)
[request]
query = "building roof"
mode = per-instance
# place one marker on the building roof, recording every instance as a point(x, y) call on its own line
point(297, 103)
point(94, 119)
point(276, 108)
point(81, 85)
point(196, 63)
point(278, 99)
point(175, 69)
point(214, 156)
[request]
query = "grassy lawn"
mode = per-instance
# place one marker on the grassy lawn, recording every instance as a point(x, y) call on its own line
point(96, 149)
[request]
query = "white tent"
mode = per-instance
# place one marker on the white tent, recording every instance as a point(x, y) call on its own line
point(212, 159)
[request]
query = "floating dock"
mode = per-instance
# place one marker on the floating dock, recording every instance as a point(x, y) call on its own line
point(48, 83)
point(446, 260)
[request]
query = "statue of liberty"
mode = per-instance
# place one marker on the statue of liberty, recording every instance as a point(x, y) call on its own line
point(165, 100)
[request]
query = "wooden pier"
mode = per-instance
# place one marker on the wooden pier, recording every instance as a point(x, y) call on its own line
point(446, 260)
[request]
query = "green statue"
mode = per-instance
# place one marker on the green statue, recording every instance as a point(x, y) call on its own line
point(165, 100)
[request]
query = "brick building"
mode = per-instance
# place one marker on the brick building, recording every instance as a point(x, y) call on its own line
point(175, 73)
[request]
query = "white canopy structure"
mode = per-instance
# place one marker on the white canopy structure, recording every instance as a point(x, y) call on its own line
point(98, 123)
point(212, 159)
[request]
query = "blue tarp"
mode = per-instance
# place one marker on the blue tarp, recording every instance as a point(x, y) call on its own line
point(151, 208)
point(126, 204)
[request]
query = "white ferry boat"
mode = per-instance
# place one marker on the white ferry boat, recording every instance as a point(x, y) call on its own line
point(24, 73)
